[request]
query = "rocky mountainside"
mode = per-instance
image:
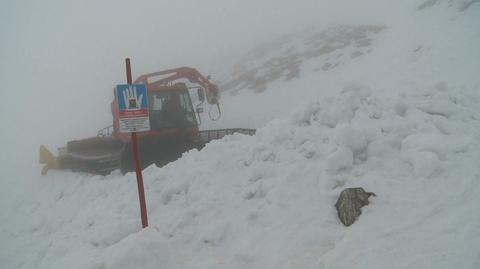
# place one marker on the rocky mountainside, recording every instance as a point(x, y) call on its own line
point(283, 58)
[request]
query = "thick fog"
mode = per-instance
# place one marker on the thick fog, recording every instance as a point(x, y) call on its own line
point(376, 94)
point(61, 59)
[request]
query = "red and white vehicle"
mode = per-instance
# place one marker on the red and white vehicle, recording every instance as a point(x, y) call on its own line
point(174, 127)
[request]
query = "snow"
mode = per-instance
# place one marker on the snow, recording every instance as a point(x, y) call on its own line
point(401, 123)
point(267, 201)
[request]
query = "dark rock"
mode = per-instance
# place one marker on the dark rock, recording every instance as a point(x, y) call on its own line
point(349, 204)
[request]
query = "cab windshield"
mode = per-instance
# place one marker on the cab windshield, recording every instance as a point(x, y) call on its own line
point(171, 109)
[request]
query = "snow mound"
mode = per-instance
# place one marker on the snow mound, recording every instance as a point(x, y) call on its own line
point(267, 201)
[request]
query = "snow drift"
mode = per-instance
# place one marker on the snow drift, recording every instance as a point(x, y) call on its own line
point(267, 201)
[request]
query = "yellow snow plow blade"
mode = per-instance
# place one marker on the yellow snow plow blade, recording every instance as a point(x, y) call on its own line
point(47, 158)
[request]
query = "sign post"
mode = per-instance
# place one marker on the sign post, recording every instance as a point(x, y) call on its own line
point(132, 102)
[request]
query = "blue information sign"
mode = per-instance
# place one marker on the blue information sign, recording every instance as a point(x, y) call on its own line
point(132, 100)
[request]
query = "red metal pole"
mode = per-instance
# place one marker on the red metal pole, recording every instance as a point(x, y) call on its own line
point(129, 71)
point(136, 157)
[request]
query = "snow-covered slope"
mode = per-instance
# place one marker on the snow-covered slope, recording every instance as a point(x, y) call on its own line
point(267, 201)
point(401, 120)
point(407, 51)
point(284, 57)
point(459, 5)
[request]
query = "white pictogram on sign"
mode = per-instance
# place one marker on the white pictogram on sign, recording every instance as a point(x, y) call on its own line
point(131, 100)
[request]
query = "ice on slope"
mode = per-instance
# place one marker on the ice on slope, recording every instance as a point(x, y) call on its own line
point(267, 201)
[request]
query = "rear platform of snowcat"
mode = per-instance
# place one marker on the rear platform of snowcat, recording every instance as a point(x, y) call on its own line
point(104, 154)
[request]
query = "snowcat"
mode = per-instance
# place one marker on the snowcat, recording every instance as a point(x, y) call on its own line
point(174, 124)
